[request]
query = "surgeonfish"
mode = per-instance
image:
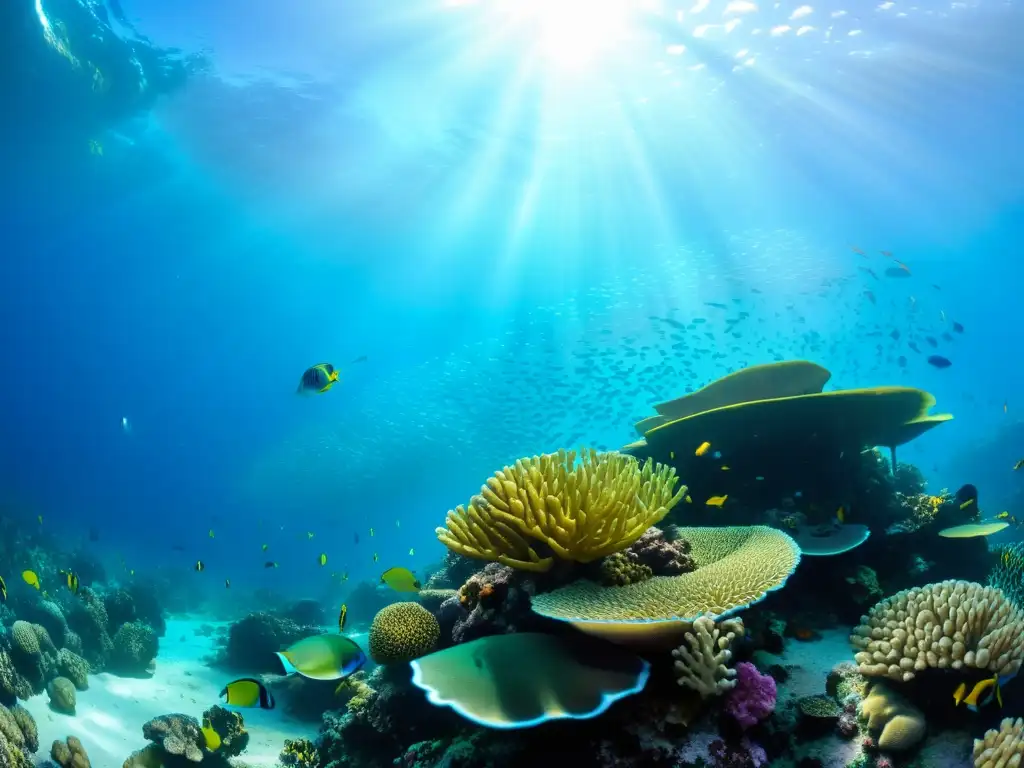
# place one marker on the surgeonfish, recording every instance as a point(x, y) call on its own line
point(323, 657)
point(317, 379)
point(211, 736)
point(342, 615)
point(716, 501)
point(30, 578)
point(400, 579)
point(247, 692)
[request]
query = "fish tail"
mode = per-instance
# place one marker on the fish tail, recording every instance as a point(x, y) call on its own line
point(289, 668)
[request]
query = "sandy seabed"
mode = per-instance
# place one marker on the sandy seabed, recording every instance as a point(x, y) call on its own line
point(109, 716)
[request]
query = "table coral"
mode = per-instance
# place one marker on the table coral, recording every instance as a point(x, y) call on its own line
point(580, 511)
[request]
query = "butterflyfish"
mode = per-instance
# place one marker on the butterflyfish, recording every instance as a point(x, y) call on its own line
point(400, 579)
point(323, 657)
point(981, 695)
point(30, 578)
point(702, 448)
point(3, 589)
point(716, 501)
point(317, 379)
point(71, 579)
point(322, 559)
point(199, 566)
point(211, 737)
point(342, 615)
point(247, 692)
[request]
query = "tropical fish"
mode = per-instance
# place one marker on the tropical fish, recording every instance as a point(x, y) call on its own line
point(1018, 465)
point(323, 657)
point(412, 551)
point(3, 589)
point(371, 531)
point(957, 327)
point(322, 559)
point(981, 694)
point(1002, 515)
point(716, 501)
point(309, 535)
point(400, 579)
point(725, 468)
point(199, 566)
point(211, 534)
point(342, 615)
point(270, 564)
point(211, 736)
point(672, 455)
point(227, 583)
point(71, 579)
point(265, 547)
point(376, 557)
point(841, 514)
point(702, 448)
point(317, 379)
point(939, 361)
point(30, 578)
point(247, 692)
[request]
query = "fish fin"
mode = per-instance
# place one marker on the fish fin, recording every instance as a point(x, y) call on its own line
point(329, 385)
point(289, 668)
point(999, 695)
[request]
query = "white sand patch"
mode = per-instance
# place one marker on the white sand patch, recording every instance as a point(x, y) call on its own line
point(111, 713)
point(809, 663)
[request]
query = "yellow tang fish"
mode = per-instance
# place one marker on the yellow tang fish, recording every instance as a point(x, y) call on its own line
point(30, 578)
point(400, 579)
point(323, 559)
point(716, 501)
point(725, 468)
point(1002, 515)
point(702, 448)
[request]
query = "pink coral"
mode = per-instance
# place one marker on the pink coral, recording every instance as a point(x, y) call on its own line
point(753, 698)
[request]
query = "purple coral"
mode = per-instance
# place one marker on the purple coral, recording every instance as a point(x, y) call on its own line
point(753, 698)
point(662, 556)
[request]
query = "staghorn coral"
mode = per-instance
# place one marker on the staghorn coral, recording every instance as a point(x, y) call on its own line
point(74, 668)
point(736, 567)
point(899, 724)
point(177, 734)
point(69, 753)
point(135, 648)
point(623, 568)
point(62, 695)
point(402, 632)
point(702, 662)
point(1002, 747)
point(950, 624)
point(580, 511)
point(230, 726)
point(301, 753)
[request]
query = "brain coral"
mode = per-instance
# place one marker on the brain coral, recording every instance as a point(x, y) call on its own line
point(579, 511)
point(62, 695)
point(403, 632)
point(950, 624)
point(1002, 748)
point(736, 567)
point(25, 638)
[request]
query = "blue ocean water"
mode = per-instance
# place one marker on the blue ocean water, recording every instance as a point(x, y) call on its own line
point(496, 204)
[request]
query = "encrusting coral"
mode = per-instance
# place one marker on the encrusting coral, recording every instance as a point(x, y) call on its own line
point(951, 624)
point(702, 661)
point(624, 568)
point(1002, 747)
point(580, 511)
point(402, 632)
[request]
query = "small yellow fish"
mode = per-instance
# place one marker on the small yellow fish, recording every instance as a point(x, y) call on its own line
point(323, 559)
point(400, 580)
point(716, 501)
point(1006, 561)
point(702, 448)
point(967, 503)
point(30, 578)
point(342, 615)
point(841, 514)
point(689, 499)
point(3, 589)
point(412, 551)
point(725, 468)
point(344, 576)
point(1002, 515)
point(199, 566)
point(318, 379)
point(672, 455)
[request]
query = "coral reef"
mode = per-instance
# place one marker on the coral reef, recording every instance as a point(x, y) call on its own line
point(135, 646)
point(1002, 747)
point(402, 632)
point(176, 734)
point(1007, 572)
point(665, 552)
point(69, 753)
point(230, 726)
point(952, 624)
point(62, 695)
point(492, 601)
point(623, 568)
point(898, 724)
point(702, 662)
point(578, 511)
point(752, 698)
point(301, 753)
point(253, 641)
point(73, 667)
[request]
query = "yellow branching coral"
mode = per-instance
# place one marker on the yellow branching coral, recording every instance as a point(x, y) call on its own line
point(702, 661)
point(1002, 748)
point(947, 625)
point(581, 511)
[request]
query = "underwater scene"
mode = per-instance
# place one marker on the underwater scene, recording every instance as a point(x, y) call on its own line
point(502, 383)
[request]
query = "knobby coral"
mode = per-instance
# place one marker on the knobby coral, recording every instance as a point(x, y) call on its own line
point(702, 661)
point(1002, 747)
point(580, 511)
point(950, 624)
point(69, 753)
point(899, 724)
point(402, 632)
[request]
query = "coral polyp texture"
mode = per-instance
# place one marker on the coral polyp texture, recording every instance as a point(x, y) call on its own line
point(948, 625)
point(702, 661)
point(578, 510)
point(898, 724)
point(403, 632)
point(735, 568)
point(1002, 747)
